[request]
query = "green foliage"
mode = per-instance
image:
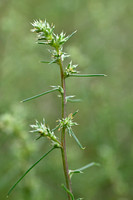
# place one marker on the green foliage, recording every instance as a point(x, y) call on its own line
point(71, 172)
point(68, 191)
point(103, 43)
point(29, 170)
point(39, 95)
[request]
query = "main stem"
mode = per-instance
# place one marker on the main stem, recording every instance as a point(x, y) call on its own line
point(63, 138)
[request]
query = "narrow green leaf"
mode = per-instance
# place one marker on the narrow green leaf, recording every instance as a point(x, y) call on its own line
point(46, 43)
point(38, 137)
point(74, 100)
point(53, 61)
point(71, 172)
point(49, 62)
point(87, 166)
point(29, 170)
point(75, 113)
point(76, 139)
point(54, 129)
point(86, 75)
point(68, 191)
point(70, 99)
point(43, 61)
point(39, 95)
point(69, 36)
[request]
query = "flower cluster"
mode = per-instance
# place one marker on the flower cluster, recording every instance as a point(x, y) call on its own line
point(45, 131)
point(56, 55)
point(67, 122)
point(70, 69)
point(61, 39)
point(46, 36)
point(44, 31)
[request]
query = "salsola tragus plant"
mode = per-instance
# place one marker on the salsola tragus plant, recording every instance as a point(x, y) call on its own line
point(46, 36)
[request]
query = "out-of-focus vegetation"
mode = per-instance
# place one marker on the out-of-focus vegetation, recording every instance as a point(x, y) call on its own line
point(103, 44)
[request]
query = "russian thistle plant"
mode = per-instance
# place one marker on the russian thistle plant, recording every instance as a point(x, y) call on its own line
point(46, 36)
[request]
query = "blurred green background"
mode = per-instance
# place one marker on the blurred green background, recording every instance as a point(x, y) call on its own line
point(103, 44)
